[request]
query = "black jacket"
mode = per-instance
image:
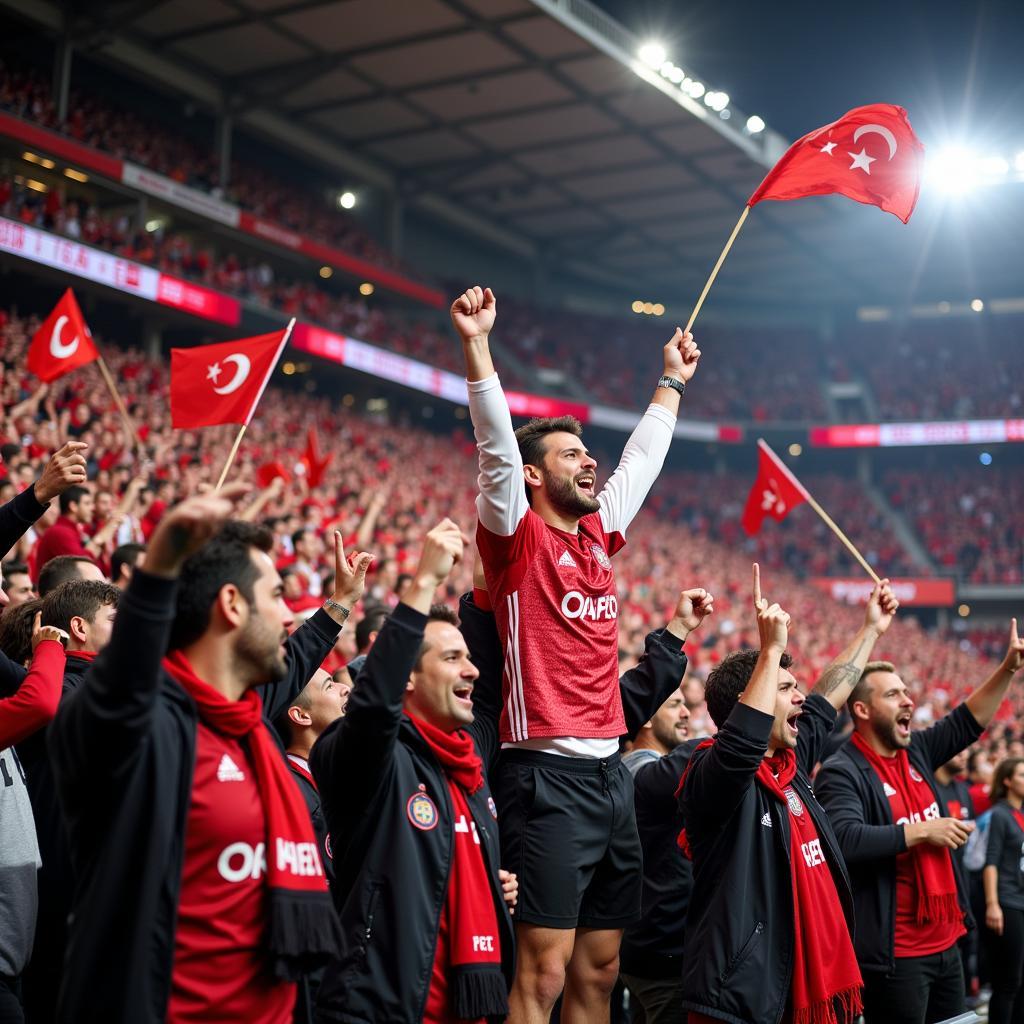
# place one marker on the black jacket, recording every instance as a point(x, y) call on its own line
point(316, 813)
point(391, 871)
point(123, 752)
point(653, 947)
point(851, 792)
point(741, 906)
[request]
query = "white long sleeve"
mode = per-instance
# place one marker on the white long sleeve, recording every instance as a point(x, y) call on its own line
point(642, 458)
point(501, 503)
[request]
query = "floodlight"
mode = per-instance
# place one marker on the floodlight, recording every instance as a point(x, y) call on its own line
point(652, 54)
point(347, 200)
point(1018, 162)
point(755, 124)
point(977, 305)
point(697, 90)
point(953, 170)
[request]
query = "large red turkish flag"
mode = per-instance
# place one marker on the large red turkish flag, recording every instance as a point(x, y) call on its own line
point(63, 343)
point(222, 383)
point(776, 492)
point(870, 154)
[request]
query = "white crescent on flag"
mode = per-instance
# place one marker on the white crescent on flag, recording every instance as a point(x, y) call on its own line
point(57, 349)
point(877, 129)
point(242, 367)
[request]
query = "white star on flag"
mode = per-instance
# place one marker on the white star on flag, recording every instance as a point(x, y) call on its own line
point(770, 500)
point(828, 147)
point(862, 160)
point(213, 372)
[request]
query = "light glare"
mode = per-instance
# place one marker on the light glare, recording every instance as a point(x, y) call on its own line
point(755, 124)
point(652, 54)
point(347, 200)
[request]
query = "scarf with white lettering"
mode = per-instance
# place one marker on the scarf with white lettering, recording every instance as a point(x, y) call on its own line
point(476, 985)
point(826, 984)
point(302, 930)
point(933, 866)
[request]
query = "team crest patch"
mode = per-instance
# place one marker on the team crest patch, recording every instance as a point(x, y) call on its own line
point(914, 775)
point(422, 812)
point(492, 808)
point(599, 553)
point(795, 804)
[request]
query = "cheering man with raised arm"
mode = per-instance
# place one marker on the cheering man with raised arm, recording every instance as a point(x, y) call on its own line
point(768, 926)
point(546, 536)
point(879, 791)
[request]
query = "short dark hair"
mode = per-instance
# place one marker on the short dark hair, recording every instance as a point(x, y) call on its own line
point(728, 679)
point(373, 618)
point(59, 570)
point(16, 630)
point(13, 569)
point(299, 534)
point(531, 435)
point(9, 451)
point(438, 613)
point(225, 558)
point(72, 496)
point(126, 554)
point(860, 691)
point(83, 598)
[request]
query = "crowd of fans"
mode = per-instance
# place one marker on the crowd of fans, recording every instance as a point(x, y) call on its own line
point(121, 133)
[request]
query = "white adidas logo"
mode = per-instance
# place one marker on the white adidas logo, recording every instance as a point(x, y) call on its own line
point(766, 820)
point(228, 771)
point(887, 789)
point(566, 559)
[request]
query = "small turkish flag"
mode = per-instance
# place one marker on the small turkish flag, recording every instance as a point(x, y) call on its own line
point(870, 154)
point(63, 343)
point(270, 471)
point(222, 383)
point(315, 464)
point(776, 492)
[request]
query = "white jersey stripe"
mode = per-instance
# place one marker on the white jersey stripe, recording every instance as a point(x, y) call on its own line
point(511, 692)
point(514, 644)
point(516, 720)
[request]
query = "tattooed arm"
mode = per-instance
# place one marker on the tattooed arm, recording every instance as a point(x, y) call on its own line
point(838, 680)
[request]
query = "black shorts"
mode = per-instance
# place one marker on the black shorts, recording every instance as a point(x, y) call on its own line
point(568, 830)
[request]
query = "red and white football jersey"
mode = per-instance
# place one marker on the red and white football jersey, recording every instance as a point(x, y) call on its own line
point(554, 593)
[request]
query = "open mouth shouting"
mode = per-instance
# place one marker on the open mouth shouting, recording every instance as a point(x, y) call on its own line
point(791, 721)
point(903, 725)
point(585, 483)
point(463, 694)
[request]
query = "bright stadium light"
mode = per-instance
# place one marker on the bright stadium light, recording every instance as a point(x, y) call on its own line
point(347, 200)
point(995, 167)
point(977, 305)
point(652, 54)
point(953, 170)
point(697, 90)
point(1018, 162)
point(755, 124)
point(675, 75)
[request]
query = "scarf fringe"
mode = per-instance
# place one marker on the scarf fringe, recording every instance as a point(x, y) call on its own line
point(848, 1002)
point(303, 932)
point(478, 990)
point(939, 907)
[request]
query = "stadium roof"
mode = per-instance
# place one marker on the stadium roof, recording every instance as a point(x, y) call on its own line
point(530, 122)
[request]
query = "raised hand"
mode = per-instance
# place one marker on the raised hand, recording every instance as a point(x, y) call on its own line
point(693, 607)
point(1015, 652)
point(772, 621)
point(186, 527)
point(681, 355)
point(349, 573)
point(473, 313)
point(41, 632)
point(65, 469)
point(882, 605)
point(442, 551)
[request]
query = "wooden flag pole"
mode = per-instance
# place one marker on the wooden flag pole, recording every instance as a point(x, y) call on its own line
point(119, 401)
point(718, 267)
point(831, 524)
point(231, 458)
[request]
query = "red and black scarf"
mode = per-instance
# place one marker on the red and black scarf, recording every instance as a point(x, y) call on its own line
point(826, 978)
point(302, 930)
point(476, 984)
point(933, 866)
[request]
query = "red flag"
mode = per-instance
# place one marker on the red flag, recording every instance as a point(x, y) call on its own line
point(270, 471)
point(222, 383)
point(776, 492)
point(63, 343)
point(870, 154)
point(315, 465)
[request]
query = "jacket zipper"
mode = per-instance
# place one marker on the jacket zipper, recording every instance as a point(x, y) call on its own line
point(742, 954)
point(370, 911)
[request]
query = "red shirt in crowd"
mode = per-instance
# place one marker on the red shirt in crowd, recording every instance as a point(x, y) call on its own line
point(220, 964)
point(63, 538)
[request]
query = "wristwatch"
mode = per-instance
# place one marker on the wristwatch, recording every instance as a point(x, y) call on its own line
point(671, 382)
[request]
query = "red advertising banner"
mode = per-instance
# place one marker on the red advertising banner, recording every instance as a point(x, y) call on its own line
point(927, 593)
